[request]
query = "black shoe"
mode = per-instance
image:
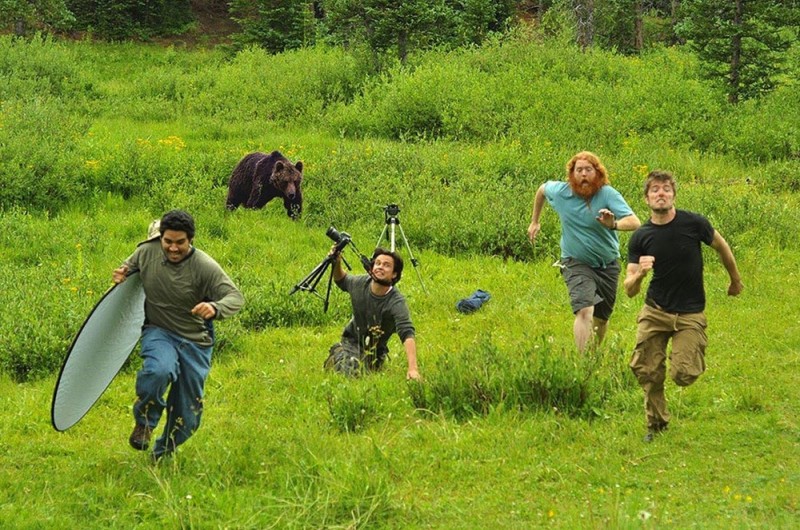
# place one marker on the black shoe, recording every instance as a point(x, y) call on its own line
point(653, 431)
point(140, 437)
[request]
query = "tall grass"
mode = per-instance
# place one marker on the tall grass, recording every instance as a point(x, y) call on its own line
point(510, 427)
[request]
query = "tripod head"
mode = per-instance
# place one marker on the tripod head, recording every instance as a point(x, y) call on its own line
point(390, 212)
point(309, 283)
point(340, 238)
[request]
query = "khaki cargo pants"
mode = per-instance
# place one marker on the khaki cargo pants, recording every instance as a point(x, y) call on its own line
point(648, 362)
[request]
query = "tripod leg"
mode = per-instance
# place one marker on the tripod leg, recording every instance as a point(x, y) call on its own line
point(328, 293)
point(380, 238)
point(413, 259)
point(309, 283)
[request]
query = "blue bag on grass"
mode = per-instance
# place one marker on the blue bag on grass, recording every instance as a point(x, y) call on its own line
point(473, 302)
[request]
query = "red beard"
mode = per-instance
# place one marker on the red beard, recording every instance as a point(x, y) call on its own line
point(587, 192)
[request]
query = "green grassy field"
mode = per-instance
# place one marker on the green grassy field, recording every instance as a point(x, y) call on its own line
point(97, 140)
point(274, 451)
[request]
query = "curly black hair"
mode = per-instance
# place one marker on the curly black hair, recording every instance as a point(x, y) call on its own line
point(179, 221)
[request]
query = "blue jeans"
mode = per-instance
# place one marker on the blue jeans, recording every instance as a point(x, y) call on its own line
point(180, 364)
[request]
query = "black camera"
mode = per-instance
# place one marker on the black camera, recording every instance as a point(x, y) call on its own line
point(392, 210)
point(340, 238)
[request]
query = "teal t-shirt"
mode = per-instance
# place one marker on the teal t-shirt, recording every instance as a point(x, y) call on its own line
point(582, 237)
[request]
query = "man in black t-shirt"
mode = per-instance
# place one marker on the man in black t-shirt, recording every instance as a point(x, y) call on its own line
point(668, 244)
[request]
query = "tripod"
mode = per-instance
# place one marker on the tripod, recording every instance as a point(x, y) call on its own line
point(309, 283)
point(391, 221)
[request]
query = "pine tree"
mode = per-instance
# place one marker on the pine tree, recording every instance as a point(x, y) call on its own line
point(741, 42)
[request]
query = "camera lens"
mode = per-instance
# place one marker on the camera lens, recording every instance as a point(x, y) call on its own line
point(333, 234)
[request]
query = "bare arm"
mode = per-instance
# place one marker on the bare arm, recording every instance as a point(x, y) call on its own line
point(338, 271)
point(636, 273)
point(628, 223)
point(726, 255)
point(410, 344)
point(538, 203)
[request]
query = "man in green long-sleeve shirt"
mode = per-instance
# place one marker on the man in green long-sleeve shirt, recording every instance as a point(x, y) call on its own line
point(185, 290)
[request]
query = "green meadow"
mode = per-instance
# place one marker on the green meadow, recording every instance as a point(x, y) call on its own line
point(510, 428)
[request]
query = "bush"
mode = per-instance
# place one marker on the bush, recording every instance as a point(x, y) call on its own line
point(257, 86)
point(485, 378)
point(123, 19)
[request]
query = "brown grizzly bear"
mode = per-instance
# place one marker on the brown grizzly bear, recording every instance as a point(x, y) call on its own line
point(259, 177)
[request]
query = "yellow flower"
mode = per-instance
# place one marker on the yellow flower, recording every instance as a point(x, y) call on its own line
point(173, 141)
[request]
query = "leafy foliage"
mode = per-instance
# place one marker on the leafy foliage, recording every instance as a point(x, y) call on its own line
point(486, 378)
point(459, 140)
point(274, 25)
point(124, 19)
point(403, 27)
point(25, 15)
point(741, 44)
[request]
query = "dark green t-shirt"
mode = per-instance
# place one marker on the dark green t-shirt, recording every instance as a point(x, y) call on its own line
point(375, 318)
point(173, 289)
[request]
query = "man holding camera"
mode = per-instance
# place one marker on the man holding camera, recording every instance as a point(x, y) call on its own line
point(185, 290)
point(379, 310)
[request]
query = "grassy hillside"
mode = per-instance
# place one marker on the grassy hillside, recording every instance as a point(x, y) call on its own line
point(510, 428)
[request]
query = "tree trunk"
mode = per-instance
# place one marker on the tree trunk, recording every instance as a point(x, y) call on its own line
point(402, 46)
point(736, 54)
point(584, 17)
point(19, 28)
point(675, 6)
point(638, 26)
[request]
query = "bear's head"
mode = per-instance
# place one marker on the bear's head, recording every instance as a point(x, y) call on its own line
point(287, 177)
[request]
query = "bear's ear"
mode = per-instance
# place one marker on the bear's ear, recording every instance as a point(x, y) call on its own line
point(299, 166)
point(278, 166)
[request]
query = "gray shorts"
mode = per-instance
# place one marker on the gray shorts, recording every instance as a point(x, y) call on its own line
point(591, 286)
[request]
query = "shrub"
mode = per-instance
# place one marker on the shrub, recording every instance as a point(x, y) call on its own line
point(260, 86)
point(483, 378)
point(353, 405)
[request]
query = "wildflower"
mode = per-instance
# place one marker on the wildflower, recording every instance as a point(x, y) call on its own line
point(173, 141)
